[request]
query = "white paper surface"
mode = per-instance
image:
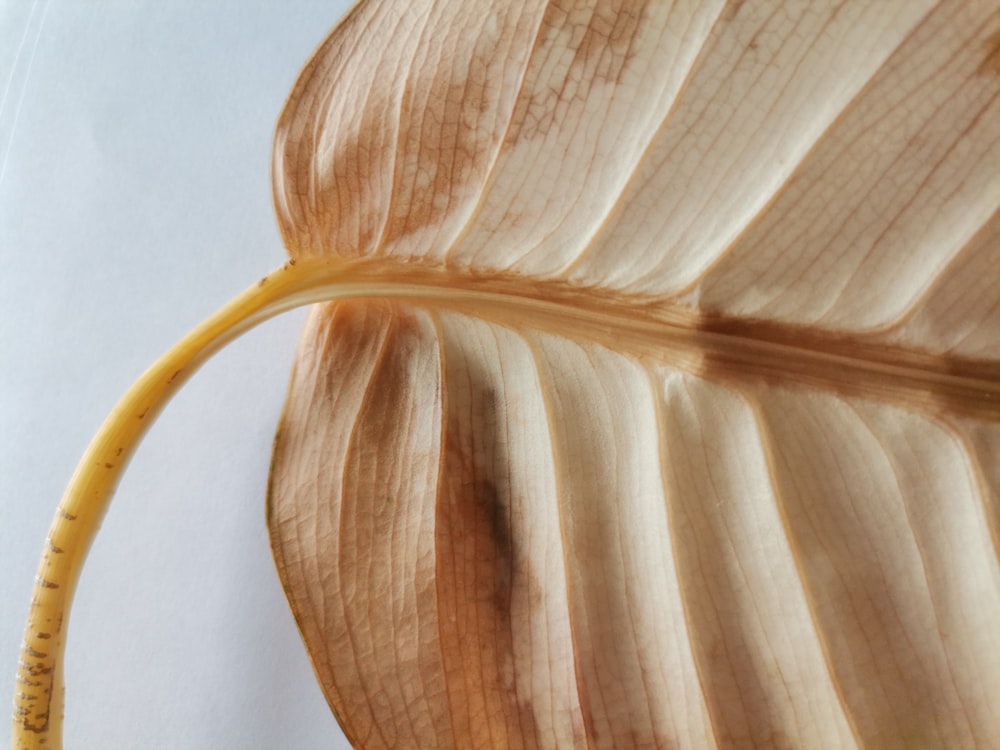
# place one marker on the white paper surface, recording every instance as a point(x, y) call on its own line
point(135, 143)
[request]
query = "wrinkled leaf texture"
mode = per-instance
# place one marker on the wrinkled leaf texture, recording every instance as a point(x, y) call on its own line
point(689, 436)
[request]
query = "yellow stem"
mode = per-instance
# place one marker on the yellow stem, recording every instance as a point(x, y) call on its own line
point(38, 697)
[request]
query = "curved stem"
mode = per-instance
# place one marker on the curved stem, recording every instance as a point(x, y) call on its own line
point(38, 698)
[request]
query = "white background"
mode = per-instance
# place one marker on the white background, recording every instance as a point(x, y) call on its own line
point(135, 143)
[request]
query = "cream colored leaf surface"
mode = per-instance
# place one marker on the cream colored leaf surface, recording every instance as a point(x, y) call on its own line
point(688, 431)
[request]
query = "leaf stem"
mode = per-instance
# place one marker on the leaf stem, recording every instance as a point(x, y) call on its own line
point(38, 696)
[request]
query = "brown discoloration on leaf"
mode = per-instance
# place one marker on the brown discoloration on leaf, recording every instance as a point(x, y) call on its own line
point(337, 205)
point(359, 508)
point(991, 62)
point(477, 567)
point(804, 358)
point(732, 9)
point(306, 483)
point(598, 36)
point(358, 180)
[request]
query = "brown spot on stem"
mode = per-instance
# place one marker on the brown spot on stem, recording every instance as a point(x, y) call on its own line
point(36, 670)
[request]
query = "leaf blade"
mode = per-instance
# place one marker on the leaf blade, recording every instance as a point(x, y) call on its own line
point(583, 298)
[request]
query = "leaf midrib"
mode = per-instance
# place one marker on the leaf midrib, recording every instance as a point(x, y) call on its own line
point(733, 350)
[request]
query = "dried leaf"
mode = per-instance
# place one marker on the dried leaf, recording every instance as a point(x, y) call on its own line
point(689, 433)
